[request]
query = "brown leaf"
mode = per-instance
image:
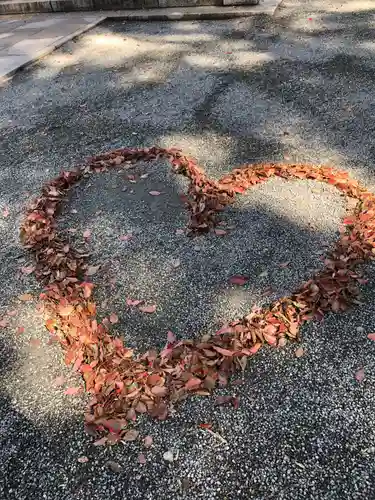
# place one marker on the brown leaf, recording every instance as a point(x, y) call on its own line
point(6, 212)
point(113, 318)
point(224, 352)
point(159, 391)
point(171, 337)
point(147, 442)
point(141, 459)
point(114, 466)
point(133, 302)
point(299, 352)
point(59, 381)
point(130, 435)
point(148, 309)
point(82, 460)
point(154, 193)
point(101, 442)
point(141, 407)
point(27, 270)
point(4, 323)
point(20, 330)
point(220, 232)
point(87, 234)
point(223, 400)
point(25, 297)
point(65, 310)
point(155, 379)
point(239, 280)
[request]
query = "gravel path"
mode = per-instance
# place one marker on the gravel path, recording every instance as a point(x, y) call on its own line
point(297, 88)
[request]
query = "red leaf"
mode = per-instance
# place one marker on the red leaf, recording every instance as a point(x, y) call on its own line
point(349, 220)
point(220, 232)
point(20, 329)
point(72, 391)
point(59, 380)
point(133, 302)
point(113, 318)
point(87, 234)
point(193, 384)
point(154, 193)
point(148, 309)
point(171, 338)
point(84, 368)
point(238, 280)
point(205, 426)
point(5, 212)
point(82, 460)
point(147, 441)
point(360, 375)
point(224, 329)
point(236, 402)
point(371, 336)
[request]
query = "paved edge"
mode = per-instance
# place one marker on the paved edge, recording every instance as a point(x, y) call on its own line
point(4, 78)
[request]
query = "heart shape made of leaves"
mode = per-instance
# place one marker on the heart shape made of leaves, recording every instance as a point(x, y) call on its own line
point(124, 384)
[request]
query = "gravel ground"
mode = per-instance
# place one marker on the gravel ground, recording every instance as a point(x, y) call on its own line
point(299, 87)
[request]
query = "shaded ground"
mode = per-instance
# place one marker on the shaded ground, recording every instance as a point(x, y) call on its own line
point(298, 88)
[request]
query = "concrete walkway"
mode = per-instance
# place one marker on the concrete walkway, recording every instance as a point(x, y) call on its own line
point(26, 38)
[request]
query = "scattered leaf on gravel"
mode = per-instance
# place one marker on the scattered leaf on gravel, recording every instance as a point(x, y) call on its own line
point(35, 342)
point(91, 270)
point(59, 381)
point(113, 318)
point(130, 435)
point(154, 193)
point(263, 274)
point(360, 375)
point(224, 329)
point(12, 313)
point(148, 309)
point(205, 426)
point(238, 280)
point(180, 231)
point(168, 456)
point(371, 336)
point(4, 323)
point(220, 232)
point(87, 234)
point(159, 391)
point(101, 442)
point(236, 402)
point(223, 400)
point(171, 337)
point(176, 263)
point(82, 460)
point(299, 352)
point(283, 265)
point(25, 297)
point(126, 237)
point(72, 391)
point(141, 459)
point(147, 442)
point(27, 270)
point(114, 466)
point(133, 302)
point(193, 384)
point(20, 330)
point(5, 212)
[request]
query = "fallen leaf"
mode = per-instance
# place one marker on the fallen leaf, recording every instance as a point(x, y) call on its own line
point(236, 402)
point(154, 193)
point(176, 263)
point(126, 237)
point(205, 426)
point(223, 400)
point(147, 442)
point(360, 375)
point(59, 381)
point(171, 338)
point(220, 232)
point(141, 459)
point(299, 352)
point(6, 212)
point(144, 176)
point(148, 309)
point(20, 330)
point(114, 466)
point(82, 460)
point(263, 274)
point(35, 342)
point(283, 265)
point(224, 329)
point(65, 310)
point(113, 318)
point(87, 234)
point(25, 297)
point(159, 391)
point(101, 442)
point(371, 336)
point(180, 231)
point(27, 270)
point(12, 313)
point(130, 435)
point(91, 270)
point(193, 384)
point(133, 302)
point(238, 280)
point(72, 391)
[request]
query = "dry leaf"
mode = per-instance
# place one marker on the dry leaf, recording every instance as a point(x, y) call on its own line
point(171, 338)
point(20, 330)
point(27, 270)
point(360, 375)
point(59, 381)
point(168, 456)
point(25, 297)
point(148, 309)
point(72, 391)
point(133, 302)
point(299, 352)
point(283, 265)
point(114, 466)
point(147, 442)
point(35, 342)
point(371, 336)
point(91, 270)
point(154, 193)
point(176, 263)
point(101, 442)
point(130, 435)
point(87, 234)
point(141, 459)
point(82, 460)
point(6, 212)
point(126, 237)
point(220, 232)
point(193, 384)
point(180, 231)
point(113, 318)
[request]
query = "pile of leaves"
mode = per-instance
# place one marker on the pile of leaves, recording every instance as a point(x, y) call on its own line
point(123, 383)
